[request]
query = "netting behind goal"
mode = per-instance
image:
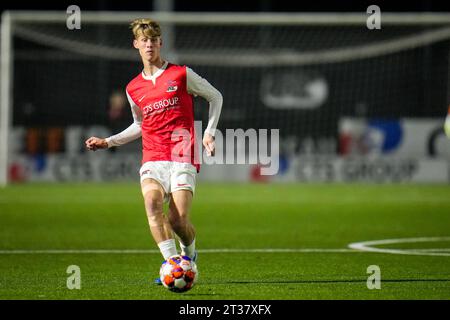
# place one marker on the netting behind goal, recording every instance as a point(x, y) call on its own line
point(301, 74)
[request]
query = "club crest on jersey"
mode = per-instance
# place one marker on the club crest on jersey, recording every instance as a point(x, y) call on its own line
point(171, 86)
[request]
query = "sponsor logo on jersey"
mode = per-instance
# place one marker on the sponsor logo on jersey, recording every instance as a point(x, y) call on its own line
point(160, 105)
point(171, 86)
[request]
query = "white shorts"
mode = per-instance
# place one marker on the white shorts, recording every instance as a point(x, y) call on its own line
point(171, 175)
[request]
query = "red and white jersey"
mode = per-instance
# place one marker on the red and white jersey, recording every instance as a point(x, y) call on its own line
point(162, 104)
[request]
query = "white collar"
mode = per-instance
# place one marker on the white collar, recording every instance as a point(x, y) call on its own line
point(156, 74)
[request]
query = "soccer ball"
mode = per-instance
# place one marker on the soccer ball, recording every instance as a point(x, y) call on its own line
point(178, 274)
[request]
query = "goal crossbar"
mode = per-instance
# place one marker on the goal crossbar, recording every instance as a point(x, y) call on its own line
point(233, 18)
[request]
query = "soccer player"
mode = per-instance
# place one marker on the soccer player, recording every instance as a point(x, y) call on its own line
point(161, 99)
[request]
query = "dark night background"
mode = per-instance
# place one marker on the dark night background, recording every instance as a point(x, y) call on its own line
point(250, 6)
point(414, 84)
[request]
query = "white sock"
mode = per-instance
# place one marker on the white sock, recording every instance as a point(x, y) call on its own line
point(168, 248)
point(188, 250)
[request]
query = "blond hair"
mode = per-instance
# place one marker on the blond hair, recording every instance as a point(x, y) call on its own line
point(145, 27)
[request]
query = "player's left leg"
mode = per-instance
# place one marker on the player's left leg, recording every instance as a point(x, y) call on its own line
point(179, 217)
point(182, 189)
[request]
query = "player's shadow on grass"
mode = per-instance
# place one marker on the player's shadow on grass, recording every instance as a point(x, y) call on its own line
point(327, 281)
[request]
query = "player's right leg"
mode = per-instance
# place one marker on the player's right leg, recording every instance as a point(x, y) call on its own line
point(160, 228)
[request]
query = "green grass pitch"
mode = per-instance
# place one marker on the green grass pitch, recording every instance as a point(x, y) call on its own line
point(86, 216)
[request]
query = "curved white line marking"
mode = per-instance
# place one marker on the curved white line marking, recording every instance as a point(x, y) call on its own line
point(367, 246)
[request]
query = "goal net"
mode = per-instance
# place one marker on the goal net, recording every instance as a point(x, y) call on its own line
point(312, 76)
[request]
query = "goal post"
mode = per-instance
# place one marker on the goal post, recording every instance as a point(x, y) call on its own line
point(5, 95)
point(300, 72)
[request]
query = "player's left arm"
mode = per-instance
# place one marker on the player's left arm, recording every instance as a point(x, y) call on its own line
point(199, 86)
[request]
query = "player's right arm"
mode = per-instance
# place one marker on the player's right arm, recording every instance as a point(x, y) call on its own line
point(129, 134)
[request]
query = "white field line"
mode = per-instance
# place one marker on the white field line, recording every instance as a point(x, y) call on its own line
point(366, 246)
point(227, 200)
point(433, 250)
point(143, 251)
point(439, 251)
